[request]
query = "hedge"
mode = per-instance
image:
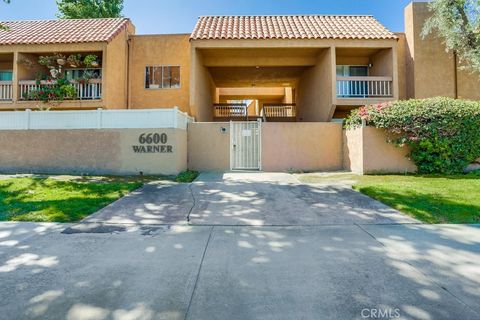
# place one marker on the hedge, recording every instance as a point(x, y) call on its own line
point(443, 134)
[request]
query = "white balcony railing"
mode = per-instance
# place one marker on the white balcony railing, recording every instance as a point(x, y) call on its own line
point(364, 87)
point(230, 110)
point(279, 110)
point(85, 91)
point(6, 90)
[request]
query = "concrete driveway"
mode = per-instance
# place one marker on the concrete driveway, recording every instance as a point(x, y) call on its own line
point(240, 257)
point(251, 199)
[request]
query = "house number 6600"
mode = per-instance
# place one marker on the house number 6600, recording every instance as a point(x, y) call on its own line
point(149, 138)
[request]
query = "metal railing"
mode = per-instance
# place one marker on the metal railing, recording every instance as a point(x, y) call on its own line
point(6, 90)
point(279, 110)
point(364, 87)
point(230, 110)
point(91, 90)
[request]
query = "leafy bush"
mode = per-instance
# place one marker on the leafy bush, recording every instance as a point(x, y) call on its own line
point(90, 60)
point(52, 90)
point(443, 134)
point(186, 176)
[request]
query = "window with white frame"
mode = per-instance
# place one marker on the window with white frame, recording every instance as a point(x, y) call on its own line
point(162, 77)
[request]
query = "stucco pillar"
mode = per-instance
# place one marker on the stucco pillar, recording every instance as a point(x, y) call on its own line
point(394, 56)
point(15, 78)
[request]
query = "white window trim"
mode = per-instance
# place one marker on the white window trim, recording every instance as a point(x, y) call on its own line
point(161, 87)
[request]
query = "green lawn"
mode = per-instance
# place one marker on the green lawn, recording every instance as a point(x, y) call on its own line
point(59, 198)
point(430, 198)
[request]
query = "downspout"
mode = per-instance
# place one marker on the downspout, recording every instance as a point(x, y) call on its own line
point(455, 74)
point(128, 71)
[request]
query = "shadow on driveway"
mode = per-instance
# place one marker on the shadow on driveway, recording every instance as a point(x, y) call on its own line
point(255, 199)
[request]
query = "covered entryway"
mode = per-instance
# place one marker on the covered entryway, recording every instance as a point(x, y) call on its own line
point(245, 145)
point(274, 84)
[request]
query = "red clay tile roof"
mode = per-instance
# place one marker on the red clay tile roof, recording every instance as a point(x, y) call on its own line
point(61, 31)
point(290, 27)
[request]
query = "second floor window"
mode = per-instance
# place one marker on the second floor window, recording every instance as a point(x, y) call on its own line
point(162, 77)
point(352, 71)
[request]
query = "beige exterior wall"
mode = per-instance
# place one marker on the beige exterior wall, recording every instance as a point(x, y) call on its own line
point(202, 89)
point(89, 152)
point(382, 63)
point(209, 146)
point(433, 70)
point(353, 150)
point(468, 85)
point(430, 69)
point(315, 89)
point(301, 146)
point(114, 79)
point(285, 146)
point(159, 50)
point(366, 151)
point(402, 66)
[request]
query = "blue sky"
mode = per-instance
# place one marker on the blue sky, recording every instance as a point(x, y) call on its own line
point(179, 16)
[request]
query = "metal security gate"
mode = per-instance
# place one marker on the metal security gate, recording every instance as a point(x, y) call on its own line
point(245, 145)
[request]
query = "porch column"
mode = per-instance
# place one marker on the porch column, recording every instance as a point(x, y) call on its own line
point(395, 71)
point(15, 78)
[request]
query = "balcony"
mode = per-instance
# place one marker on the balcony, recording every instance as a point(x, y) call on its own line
point(237, 111)
point(241, 112)
point(364, 87)
point(6, 90)
point(279, 112)
point(92, 90)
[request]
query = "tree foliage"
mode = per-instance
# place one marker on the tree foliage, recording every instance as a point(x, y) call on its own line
point(89, 9)
point(457, 23)
point(2, 27)
point(442, 133)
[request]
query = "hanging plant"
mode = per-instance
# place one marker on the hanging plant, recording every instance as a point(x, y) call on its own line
point(90, 60)
point(75, 60)
point(48, 61)
point(61, 59)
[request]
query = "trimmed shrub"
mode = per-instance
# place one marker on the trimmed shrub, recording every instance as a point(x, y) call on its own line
point(442, 133)
point(186, 176)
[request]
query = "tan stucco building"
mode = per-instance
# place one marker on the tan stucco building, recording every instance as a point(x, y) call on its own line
point(306, 68)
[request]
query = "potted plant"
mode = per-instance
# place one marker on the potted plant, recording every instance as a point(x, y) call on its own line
point(60, 59)
point(85, 78)
point(48, 61)
point(74, 60)
point(90, 60)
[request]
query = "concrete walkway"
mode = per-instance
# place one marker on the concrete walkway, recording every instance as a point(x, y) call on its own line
point(250, 199)
point(142, 260)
